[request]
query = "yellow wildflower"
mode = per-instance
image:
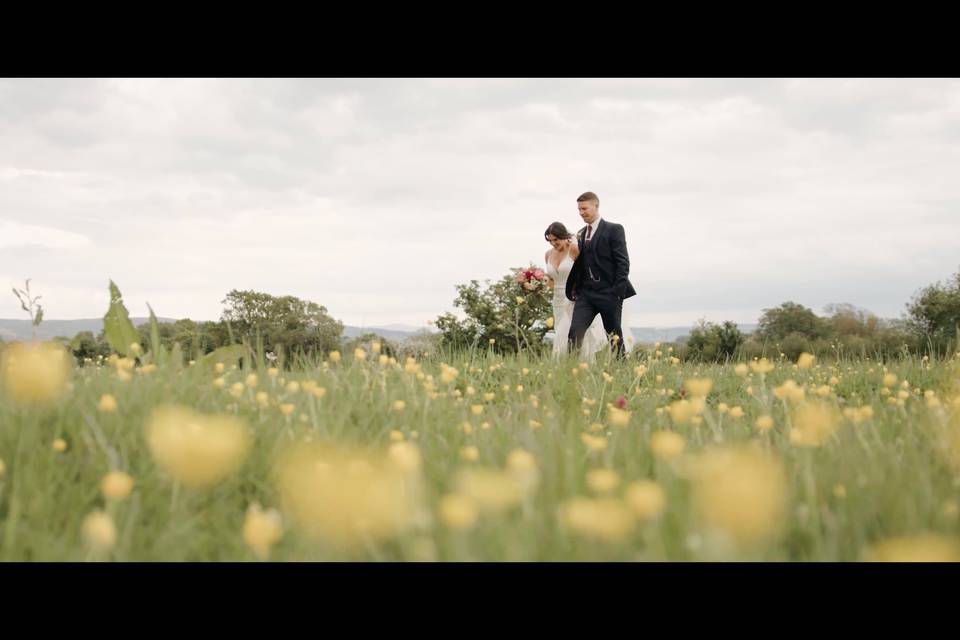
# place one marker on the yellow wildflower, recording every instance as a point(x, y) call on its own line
point(116, 485)
point(196, 449)
point(918, 548)
point(99, 531)
point(666, 445)
point(602, 480)
point(606, 519)
point(261, 530)
point(740, 492)
point(107, 404)
point(813, 424)
point(646, 499)
point(34, 373)
point(458, 511)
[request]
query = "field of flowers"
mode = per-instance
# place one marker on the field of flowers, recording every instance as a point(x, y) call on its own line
point(476, 457)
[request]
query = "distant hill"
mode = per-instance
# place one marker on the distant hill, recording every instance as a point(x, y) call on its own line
point(394, 332)
point(20, 329)
point(11, 329)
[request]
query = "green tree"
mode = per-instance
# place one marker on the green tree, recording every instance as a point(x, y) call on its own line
point(503, 311)
point(713, 342)
point(789, 318)
point(85, 345)
point(848, 320)
point(282, 323)
point(853, 330)
point(421, 344)
point(934, 314)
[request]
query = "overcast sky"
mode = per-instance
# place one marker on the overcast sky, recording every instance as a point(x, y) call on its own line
point(376, 197)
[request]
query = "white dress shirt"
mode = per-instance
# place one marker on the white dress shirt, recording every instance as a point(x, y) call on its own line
point(593, 228)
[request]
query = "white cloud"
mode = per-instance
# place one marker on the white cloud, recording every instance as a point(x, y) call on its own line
point(13, 234)
point(376, 197)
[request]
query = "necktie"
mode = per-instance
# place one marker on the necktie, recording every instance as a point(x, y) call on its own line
point(589, 229)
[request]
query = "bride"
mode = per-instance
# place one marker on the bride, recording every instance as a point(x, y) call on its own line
point(559, 260)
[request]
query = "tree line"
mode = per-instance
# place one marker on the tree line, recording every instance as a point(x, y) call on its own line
point(503, 317)
point(282, 327)
point(500, 316)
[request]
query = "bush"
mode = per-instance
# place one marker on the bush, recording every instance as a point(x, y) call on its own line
point(514, 318)
point(934, 317)
point(795, 344)
point(711, 342)
point(753, 348)
point(788, 318)
point(419, 345)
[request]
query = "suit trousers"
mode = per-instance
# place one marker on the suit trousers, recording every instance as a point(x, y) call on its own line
point(589, 303)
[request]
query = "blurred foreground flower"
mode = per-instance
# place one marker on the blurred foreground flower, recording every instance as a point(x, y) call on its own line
point(666, 445)
point(493, 490)
point(740, 492)
point(682, 411)
point(107, 404)
point(457, 511)
point(261, 530)
point(99, 531)
point(646, 499)
point(762, 366)
point(196, 449)
point(607, 519)
point(813, 424)
point(116, 485)
point(602, 480)
point(618, 417)
point(594, 443)
point(789, 390)
point(35, 372)
point(346, 496)
point(698, 387)
point(448, 374)
point(764, 423)
point(920, 548)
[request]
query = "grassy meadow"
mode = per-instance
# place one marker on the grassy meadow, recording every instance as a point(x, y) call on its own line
point(478, 457)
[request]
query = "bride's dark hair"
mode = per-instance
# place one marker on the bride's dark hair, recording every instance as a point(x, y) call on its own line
point(557, 230)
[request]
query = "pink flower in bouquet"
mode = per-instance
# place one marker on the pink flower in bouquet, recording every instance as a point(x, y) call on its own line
point(531, 279)
point(621, 402)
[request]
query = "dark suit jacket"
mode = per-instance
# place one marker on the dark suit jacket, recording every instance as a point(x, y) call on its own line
point(605, 257)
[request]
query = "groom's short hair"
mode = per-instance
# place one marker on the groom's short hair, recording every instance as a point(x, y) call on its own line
point(589, 196)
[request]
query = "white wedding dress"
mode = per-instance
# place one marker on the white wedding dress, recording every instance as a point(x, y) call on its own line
point(595, 338)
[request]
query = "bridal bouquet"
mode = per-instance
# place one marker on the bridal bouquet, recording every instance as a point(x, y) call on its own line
point(532, 280)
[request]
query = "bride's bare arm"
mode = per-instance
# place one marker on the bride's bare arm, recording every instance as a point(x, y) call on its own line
point(546, 260)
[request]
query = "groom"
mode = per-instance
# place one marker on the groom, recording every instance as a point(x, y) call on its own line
point(598, 279)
